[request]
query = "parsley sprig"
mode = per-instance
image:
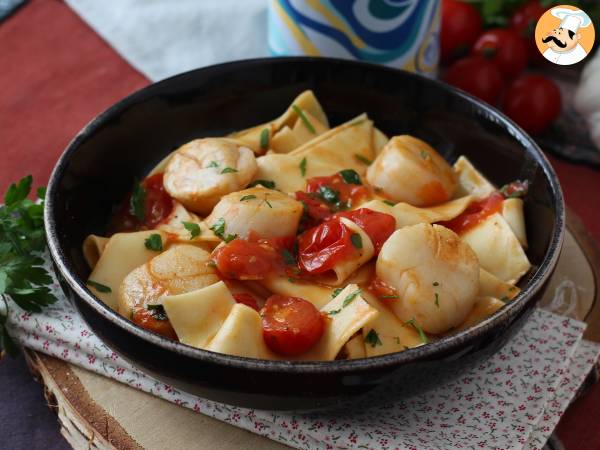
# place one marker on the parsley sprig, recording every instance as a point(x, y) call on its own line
point(22, 241)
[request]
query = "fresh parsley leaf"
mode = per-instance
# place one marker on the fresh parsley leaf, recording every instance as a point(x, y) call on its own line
point(350, 298)
point(264, 139)
point(213, 164)
point(356, 240)
point(419, 330)
point(304, 119)
point(333, 312)
point(372, 338)
point(362, 159)
point(335, 292)
point(437, 299)
point(158, 312)
point(247, 197)
point(328, 194)
point(193, 228)
point(228, 170)
point(288, 257)
point(137, 202)
point(387, 202)
point(41, 192)
point(266, 183)
point(350, 176)
point(17, 192)
point(229, 238)
point(219, 228)
point(268, 203)
point(303, 167)
point(154, 242)
point(99, 286)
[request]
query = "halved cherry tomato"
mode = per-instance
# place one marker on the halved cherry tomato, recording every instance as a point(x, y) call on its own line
point(246, 299)
point(503, 47)
point(291, 325)
point(475, 213)
point(315, 210)
point(158, 205)
point(321, 247)
point(378, 226)
point(348, 193)
point(146, 319)
point(460, 26)
point(244, 260)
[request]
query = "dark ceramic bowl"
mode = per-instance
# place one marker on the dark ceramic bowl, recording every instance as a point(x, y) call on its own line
point(124, 142)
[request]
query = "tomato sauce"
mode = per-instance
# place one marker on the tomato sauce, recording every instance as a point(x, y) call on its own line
point(378, 226)
point(475, 213)
point(157, 206)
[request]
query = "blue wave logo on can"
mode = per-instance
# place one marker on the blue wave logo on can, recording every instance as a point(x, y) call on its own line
point(398, 33)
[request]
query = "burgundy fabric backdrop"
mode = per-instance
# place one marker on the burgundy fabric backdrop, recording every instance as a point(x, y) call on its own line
point(56, 74)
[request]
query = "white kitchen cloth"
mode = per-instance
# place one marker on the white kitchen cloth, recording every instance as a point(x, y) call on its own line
point(161, 38)
point(513, 400)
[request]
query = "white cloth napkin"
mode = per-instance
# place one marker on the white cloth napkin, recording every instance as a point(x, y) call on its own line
point(511, 401)
point(161, 38)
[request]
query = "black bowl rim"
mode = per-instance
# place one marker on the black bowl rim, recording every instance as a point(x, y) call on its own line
point(426, 352)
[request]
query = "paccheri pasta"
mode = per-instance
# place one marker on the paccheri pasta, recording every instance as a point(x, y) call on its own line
point(293, 240)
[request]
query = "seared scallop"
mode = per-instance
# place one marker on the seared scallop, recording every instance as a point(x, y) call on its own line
point(409, 170)
point(435, 273)
point(267, 212)
point(202, 171)
point(182, 268)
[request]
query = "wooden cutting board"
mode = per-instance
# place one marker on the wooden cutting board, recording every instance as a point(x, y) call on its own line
point(99, 413)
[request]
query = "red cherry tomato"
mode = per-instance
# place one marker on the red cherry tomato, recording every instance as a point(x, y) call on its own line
point(158, 205)
point(321, 247)
point(291, 325)
point(315, 210)
point(533, 101)
point(246, 299)
point(475, 213)
point(460, 26)
point(244, 260)
point(477, 76)
point(523, 21)
point(378, 226)
point(146, 319)
point(505, 48)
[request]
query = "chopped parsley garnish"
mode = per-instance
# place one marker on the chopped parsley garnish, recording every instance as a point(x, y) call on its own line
point(193, 228)
point(211, 263)
point(219, 227)
point(387, 202)
point(372, 338)
point(228, 170)
point(137, 203)
point(336, 292)
point(304, 119)
point(435, 283)
point(303, 167)
point(99, 286)
point(334, 312)
point(424, 154)
point(264, 139)
point(419, 330)
point(328, 194)
point(437, 300)
point(350, 298)
point(388, 297)
point(213, 164)
point(268, 203)
point(288, 257)
point(266, 183)
point(158, 312)
point(362, 159)
point(229, 238)
point(154, 243)
point(247, 197)
point(350, 176)
point(356, 240)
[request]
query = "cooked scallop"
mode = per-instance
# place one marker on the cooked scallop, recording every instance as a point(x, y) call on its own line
point(409, 170)
point(182, 268)
point(435, 273)
point(199, 173)
point(267, 212)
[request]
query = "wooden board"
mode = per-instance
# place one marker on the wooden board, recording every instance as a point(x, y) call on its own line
point(99, 413)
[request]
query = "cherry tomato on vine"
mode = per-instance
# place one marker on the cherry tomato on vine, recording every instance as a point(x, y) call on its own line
point(533, 101)
point(477, 76)
point(505, 48)
point(460, 26)
point(523, 21)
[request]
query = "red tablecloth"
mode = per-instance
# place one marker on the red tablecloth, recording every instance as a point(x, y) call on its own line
point(56, 74)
